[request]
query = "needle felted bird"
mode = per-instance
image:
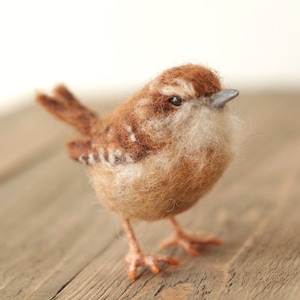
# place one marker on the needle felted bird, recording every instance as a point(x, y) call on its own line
point(157, 154)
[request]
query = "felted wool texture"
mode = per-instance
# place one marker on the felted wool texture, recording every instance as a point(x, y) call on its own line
point(64, 106)
point(150, 159)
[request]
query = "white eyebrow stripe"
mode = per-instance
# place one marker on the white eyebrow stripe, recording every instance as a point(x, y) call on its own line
point(187, 87)
point(171, 90)
point(184, 89)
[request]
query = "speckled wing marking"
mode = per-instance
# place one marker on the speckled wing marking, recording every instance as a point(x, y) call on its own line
point(103, 149)
point(107, 156)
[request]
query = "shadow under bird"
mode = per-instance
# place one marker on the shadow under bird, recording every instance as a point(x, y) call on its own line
point(157, 154)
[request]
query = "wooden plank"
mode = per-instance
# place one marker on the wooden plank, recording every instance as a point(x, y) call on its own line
point(58, 243)
point(25, 136)
point(244, 267)
point(50, 227)
point(30, 134)
point(30, 143)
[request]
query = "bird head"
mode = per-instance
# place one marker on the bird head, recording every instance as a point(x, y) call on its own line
point(184, 101)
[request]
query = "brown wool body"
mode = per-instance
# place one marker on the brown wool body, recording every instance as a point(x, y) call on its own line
point(158, 153)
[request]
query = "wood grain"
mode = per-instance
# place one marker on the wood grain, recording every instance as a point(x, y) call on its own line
point(57, 242)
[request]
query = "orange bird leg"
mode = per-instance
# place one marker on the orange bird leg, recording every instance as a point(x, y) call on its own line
point(186, 241)
point(136, 257)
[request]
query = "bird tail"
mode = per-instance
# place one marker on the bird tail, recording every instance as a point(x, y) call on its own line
point(64, 106)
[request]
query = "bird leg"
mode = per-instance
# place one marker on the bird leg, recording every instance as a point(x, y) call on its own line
point(137, 257)
point(186, 241)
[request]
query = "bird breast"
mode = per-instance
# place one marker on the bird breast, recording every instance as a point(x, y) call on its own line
point(160, 185)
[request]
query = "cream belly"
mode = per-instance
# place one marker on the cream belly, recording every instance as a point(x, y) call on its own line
point(158, 187)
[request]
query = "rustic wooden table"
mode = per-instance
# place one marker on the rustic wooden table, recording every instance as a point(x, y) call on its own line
point(58, 242)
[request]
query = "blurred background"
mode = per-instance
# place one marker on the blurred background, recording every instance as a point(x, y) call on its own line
point(102, 49)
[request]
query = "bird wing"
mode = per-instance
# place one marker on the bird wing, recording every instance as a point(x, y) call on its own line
point(83, 151)
point(111, 146)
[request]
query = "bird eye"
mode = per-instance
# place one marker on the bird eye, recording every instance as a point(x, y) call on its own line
point(177, 101)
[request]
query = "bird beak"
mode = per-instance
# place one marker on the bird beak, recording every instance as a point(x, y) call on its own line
point(218, 100)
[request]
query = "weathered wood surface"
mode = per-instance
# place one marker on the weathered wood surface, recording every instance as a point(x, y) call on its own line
point(57, 242)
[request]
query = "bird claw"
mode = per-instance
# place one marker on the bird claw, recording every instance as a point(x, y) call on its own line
point(138, 259)
point(186, 241)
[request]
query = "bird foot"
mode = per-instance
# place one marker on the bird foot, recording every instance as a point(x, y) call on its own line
point(138, 259)
point(186, 241)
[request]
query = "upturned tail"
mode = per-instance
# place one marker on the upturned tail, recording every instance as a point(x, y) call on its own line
point(64, 106)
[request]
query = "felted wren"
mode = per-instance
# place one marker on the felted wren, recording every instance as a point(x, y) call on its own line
point(157, 154)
